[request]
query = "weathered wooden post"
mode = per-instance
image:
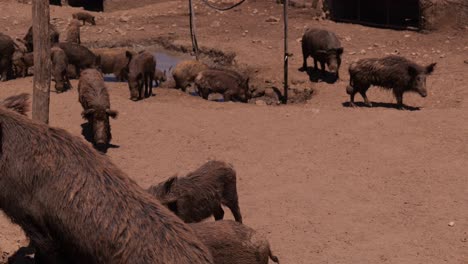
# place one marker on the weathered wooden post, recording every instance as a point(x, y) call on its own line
point(286, 53)
point(42, 63)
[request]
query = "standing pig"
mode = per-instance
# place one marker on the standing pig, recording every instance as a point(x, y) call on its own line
point(392, 72)
point(200, 194)
point(185, 73)
point(94, 98)
point(234, 243)
point(140, 73)
point(73, 32)
point(231, 86)
point(53, 34)
point(80, 56)
point(76, 206)
point(7, 48)
point(85, 17)
point(115, 61)
point(323, 46)
point(59, 69)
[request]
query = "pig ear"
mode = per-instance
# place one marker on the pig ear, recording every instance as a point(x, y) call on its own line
point(18, 103)
point(430, 68)
point(412, 71)
point(112, 113)
point(339, 51)
point(87, 113)
point(168, 184)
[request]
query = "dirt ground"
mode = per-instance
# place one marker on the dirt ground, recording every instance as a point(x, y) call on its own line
point(326, 183)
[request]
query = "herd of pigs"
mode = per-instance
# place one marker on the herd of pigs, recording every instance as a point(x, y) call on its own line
point(76, 206)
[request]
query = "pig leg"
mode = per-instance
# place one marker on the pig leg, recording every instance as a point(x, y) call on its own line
point(231, 200)
point(364, 96)
point(218, 213)
point(322, 65)
point(315, 65)
point(399, 97)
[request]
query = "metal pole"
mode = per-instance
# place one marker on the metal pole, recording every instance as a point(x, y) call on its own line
point(42, 63)
point(286, 53)
point(192, 30)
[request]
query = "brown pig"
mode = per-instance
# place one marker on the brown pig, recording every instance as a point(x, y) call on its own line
point(200, 194)
point(140, 73)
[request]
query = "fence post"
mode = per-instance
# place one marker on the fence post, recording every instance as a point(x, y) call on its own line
point(42, 62)
point(286, 53)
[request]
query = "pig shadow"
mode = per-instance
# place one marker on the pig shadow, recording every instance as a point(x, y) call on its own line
point(316, 75)
point(87, 132)
point(24, 255)
point(383, 105)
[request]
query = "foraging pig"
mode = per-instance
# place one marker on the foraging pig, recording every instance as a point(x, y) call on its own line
point(7, 48)
point(323, 46)
point(114, 61)
point(234, 243)
point(391, 72)
point(76, 206)
point(185, 73)
point(224, 82)
point(140, 73)
point(85, 17)
point(73, 32)
point(22, 63)
point(94, 98)
point(201, 193)
point(53, 34)
point(59, 69)
point(160, 76)
point(80, 56)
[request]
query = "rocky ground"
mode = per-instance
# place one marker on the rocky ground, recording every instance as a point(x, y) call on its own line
point(326, 183)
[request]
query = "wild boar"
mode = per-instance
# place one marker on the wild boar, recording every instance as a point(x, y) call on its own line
point(392, 72)
point(59, 69)
point(85, 17)
point(114, 61)
point(22, 62)
point(323, 46)
point(217, 81)
point(185, 72)
point(7, 48)
point(76, 206)
point(73, 32)
point(53, 34)
point(234, 243)
point(94, 99)
point(160, 76)
point(80, 56)
point(140, 73)
point(201, 193)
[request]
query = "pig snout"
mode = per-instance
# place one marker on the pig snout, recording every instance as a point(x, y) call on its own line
point(100, 134)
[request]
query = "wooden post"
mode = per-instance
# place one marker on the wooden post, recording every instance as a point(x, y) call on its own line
point(42, 62)
point(286, 53)
point(193, 33)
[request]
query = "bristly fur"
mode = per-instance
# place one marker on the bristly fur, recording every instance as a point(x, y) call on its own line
point(76, 206)
point(200, 194)
point(234, 243)
point(18, 103)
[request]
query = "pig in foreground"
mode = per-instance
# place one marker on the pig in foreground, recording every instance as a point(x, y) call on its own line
point(7, 48)
point(76, 206)
point(94, 99)
point(234, 243)
point(114, 61)
point(85, 17)
point(80, 56)
point(185, 73)
point(200, 194)
point(392, 72)
point(140, 73)
point(73, 32)
point(324, 47)
point(230, 85)
point(53, 34)
point(59, 69)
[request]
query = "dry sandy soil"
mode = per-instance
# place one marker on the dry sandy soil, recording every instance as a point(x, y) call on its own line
point(326, 183)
